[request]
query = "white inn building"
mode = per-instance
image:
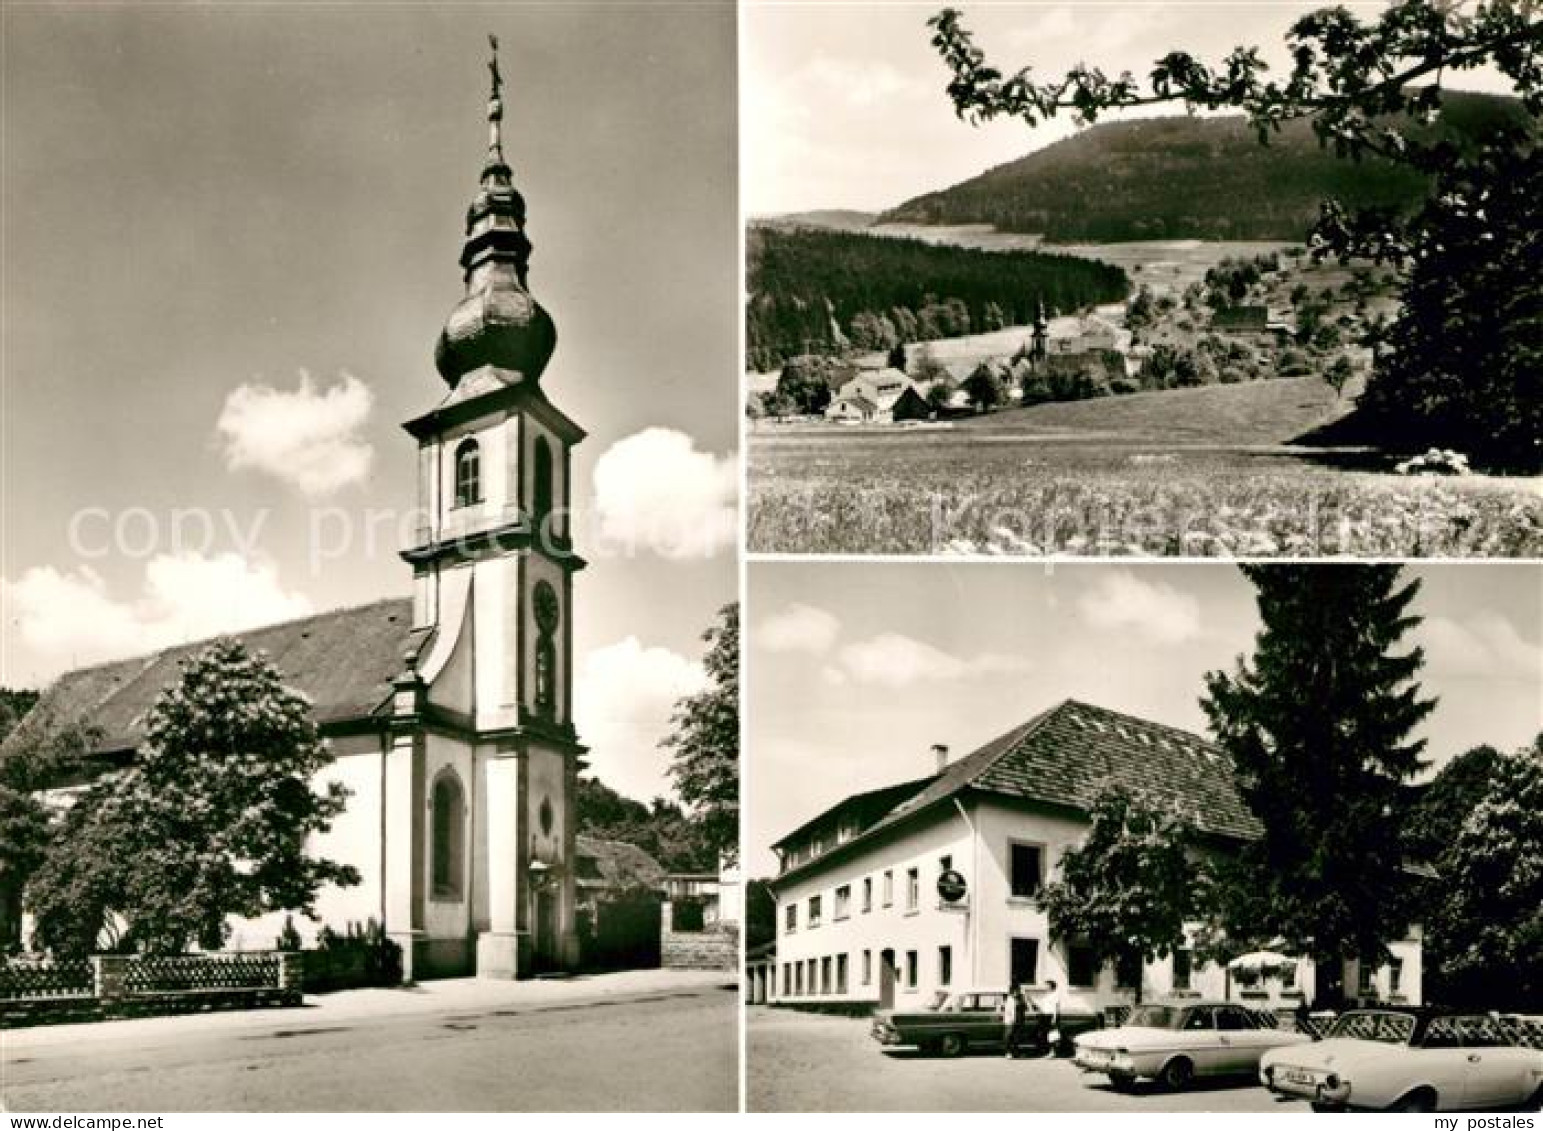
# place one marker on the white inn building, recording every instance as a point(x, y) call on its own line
point(871, 910)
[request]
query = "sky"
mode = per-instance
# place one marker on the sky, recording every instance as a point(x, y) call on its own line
point(845, 103)
point(230, 242)
point(856, 669)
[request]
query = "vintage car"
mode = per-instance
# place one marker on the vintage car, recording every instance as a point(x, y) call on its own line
point(1397, 1059)
point(1174, 1042)
point(959, 1020)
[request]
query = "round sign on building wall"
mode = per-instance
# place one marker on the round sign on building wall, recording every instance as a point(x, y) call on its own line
point(951, 886)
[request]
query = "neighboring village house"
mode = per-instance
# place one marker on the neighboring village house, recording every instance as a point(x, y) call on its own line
point(620, 889)
point(450, 714)
point(1252, 321)
point(881, 396)
point(863, 919)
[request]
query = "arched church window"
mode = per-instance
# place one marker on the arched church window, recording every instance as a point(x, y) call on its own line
point(548, 612)
point(546, 661)
point(468, 474)
point(448, 833)
point(541, 492)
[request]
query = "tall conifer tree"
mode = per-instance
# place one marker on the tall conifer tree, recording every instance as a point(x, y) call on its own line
point(1318, 723)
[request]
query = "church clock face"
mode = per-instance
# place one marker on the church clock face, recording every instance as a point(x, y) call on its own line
point(548, 612)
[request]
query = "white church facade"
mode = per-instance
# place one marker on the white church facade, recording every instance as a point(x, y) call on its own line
point(449, 714)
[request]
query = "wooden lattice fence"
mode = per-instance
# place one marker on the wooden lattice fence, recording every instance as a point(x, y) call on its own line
point(196, 973)
point(30, 979)
point(1524, 1030)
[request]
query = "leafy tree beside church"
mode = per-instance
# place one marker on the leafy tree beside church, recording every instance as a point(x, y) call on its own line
point(705, 740)
point(210, 821)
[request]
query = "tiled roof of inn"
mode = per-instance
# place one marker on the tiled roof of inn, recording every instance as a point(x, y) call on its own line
point(1065, 756)
point(343, 661)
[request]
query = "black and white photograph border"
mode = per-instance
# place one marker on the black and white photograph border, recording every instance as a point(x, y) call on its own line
point(351, 764)
point(1139, 279)
point(1230, 839)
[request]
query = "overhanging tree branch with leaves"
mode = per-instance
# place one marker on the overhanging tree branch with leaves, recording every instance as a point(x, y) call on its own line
point(1464, 360)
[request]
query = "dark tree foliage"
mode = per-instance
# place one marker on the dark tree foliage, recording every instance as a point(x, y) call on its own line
point(760, 913)
point(1484, 938)
point(48, 752)
point(705, 740)
point(1463, 359)
point(1466, 367)
point(925, 290)
point(663, 829)
point(211, 821)
point(1129, 887)
point(1441, 807)
point(1317, 723)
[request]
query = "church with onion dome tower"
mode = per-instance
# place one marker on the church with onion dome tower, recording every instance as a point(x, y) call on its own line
point(493, 569)
point(449, 714)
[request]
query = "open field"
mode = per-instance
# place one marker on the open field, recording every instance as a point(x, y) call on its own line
point(1198, 473)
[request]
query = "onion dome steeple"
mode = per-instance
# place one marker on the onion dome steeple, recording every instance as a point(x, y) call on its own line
point(498, 323)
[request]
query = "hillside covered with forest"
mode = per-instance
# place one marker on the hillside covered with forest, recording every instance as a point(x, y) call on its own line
point(1187, 178)
point(818, 291)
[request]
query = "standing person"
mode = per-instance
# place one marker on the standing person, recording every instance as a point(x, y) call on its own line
point(1012, 1021)
point(1050, 1002)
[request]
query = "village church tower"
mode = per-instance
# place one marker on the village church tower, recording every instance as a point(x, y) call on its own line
point(486, 734)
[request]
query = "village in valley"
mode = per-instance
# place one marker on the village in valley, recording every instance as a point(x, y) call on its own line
point(1198, 315)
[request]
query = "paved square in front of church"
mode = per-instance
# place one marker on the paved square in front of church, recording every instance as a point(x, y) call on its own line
point(610, 1042)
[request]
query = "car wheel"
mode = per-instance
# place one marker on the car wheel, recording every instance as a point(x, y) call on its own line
point(1322, 1107)
point(1536, 1103)
point(951, 1044)
point(1177, 1074)
point(1121, 1082)
point(1421, 1099)
point(928, 1048)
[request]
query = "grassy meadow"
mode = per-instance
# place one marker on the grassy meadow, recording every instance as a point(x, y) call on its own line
point(1197, 472)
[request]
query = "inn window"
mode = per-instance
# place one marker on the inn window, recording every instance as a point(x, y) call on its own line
point(843, 906)
point(448, 830)
point(1127, 972)
point(913, 888)
point(825, 982)
point(1082, 968)
point(1368, 980)
point(889, 888)
point(468, 474)
point(814, 911)
point(867, 967)
point(945, 965)
point(841, 973)
point(867, 894)
point(910, 969)
point(1182, 963)
point(1026, 864)
point(791, 918)
point(1395, 977)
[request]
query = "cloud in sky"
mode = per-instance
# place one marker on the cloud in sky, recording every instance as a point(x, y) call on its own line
point(70, 619)
point(654, 490)
point(1484, 645)
point(624, 694)
point(893, 660)
point(308, 437)
point(1152, 610)
point(798, 628)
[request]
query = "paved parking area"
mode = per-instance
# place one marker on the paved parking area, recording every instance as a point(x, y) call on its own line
point(810, 1062)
